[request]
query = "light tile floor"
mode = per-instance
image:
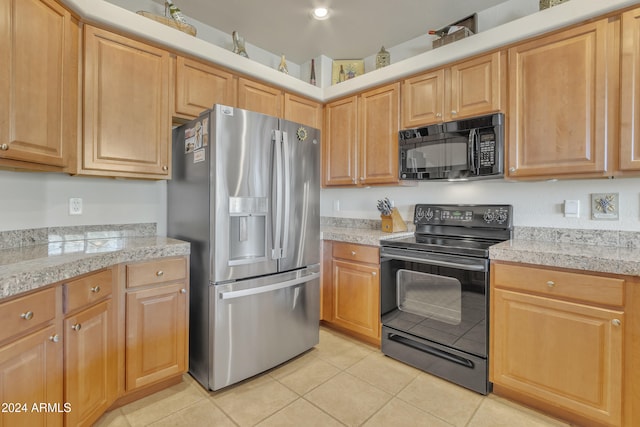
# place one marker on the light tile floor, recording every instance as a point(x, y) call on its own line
point(340, 382)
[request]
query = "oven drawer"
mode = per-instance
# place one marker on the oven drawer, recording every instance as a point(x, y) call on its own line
point(358, 253)
point(576, 286)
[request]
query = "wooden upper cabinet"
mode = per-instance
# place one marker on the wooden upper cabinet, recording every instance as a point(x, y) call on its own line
point(379, 111)
point(199, 86)
point(465, 89)
point(340, 142)
point(39, 83)
point(557, 104)
point(127, 120)
point(259, 97)
point(302, 110)
point(423, 99)
point(630, 93)
point(475, 87)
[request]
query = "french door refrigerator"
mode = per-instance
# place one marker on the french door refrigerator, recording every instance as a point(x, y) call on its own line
point(245, 192)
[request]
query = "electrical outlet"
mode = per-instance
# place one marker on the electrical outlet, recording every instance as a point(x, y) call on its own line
point(75, 206)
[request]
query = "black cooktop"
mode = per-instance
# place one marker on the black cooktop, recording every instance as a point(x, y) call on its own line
point(457, 229)
point(444, 244)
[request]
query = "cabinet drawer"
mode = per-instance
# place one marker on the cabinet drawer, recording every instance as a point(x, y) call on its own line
point(27, 312)
point(575, 286)
point(359, 253)
point(87, 290)
point(148, 273)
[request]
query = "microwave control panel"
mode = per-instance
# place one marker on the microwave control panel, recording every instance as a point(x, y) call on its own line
point(487, 149)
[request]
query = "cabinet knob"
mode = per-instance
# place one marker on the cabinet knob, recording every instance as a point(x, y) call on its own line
point(27, 316)
point(95, 289)
point(512, 169)
point(165, 168)
point(353, 180)
point(616, 322)
point(183, 291)
point(454, 112)
point(551, 284)
point(353, 253)
point(54, 338)
point(76, 327)
point(438, 115)
point(4, 147)
point(159, 273)
point(374, 273)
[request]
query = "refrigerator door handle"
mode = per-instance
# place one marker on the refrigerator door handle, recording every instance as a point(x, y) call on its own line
point(277, 235)
point(287, 193)
point(268, 288)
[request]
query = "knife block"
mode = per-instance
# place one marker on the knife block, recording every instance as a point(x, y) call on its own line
point(393, 223)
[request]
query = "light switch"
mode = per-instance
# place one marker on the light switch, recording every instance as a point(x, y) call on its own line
point(572, 208)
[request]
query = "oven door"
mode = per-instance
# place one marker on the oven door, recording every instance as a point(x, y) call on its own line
point(436, 297)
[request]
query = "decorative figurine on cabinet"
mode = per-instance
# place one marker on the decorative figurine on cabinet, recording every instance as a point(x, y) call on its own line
point(238, 45)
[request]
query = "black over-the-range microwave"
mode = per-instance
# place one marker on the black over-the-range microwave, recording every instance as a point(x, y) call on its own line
point(458, 150)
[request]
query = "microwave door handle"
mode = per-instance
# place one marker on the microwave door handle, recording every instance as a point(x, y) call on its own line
point(287, 192)
point(471, 150)
point(277, 145)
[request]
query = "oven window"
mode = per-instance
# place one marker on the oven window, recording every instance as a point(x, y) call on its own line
point(430, 296)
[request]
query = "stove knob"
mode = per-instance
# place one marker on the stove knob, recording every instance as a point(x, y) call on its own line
point(429, 214)
point(502, 217)
point(489, 216)
point(419, 214)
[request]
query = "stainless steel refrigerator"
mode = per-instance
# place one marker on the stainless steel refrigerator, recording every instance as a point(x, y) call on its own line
point(245, 192)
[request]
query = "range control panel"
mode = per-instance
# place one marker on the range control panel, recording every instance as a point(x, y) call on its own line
point(490, 216)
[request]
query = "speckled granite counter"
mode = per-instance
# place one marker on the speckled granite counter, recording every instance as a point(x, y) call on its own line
point(360, 231)
point(72, 251)
point(591, 250)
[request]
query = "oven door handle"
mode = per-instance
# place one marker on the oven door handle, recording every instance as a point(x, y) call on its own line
point(439, 263)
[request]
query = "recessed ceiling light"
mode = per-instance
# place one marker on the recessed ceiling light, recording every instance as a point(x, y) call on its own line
point(320, 13)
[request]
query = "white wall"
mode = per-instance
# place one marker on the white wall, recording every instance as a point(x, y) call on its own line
point(534, 203)
point(34, 200)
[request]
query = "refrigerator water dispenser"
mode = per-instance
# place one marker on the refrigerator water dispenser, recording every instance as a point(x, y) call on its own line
point(247, 229)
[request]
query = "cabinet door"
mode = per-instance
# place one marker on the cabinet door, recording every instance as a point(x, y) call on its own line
point(379, 117)
point(31, 373)
point(566, 354)
point(156, 334)
point(127, 122)
point(630, 93)
point(475, 87)
point(200, 86)
point(90, 363)
point(38, 82)
point(356, 297)
point(340, 142)
point(423, 99)
point(258, 97)
point(557, 104)
point(302, 110)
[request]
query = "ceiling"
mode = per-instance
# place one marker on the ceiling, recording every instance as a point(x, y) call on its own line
point(355, 28)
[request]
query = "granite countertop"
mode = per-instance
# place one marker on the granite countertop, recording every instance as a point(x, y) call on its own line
point(359, 231)
point(34, 264)
point(604, 251)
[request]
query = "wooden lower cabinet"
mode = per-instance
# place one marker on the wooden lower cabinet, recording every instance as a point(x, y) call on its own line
point(156, 334)
point(31, 362)
point(156, 318)
point(561, 354)
point(353, 294)
point(90, 363)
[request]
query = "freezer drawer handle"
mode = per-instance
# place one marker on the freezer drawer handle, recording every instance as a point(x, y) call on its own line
point(269, 288)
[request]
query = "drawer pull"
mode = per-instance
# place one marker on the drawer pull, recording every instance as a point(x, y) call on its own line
point(183, 291)
point(76, 327)
point(27, 316)
point(54, 338)
point(95, 289)
point(159, 273)
point(353, 253)
point(4, 147)
point(616, 322)
point(551, 284)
